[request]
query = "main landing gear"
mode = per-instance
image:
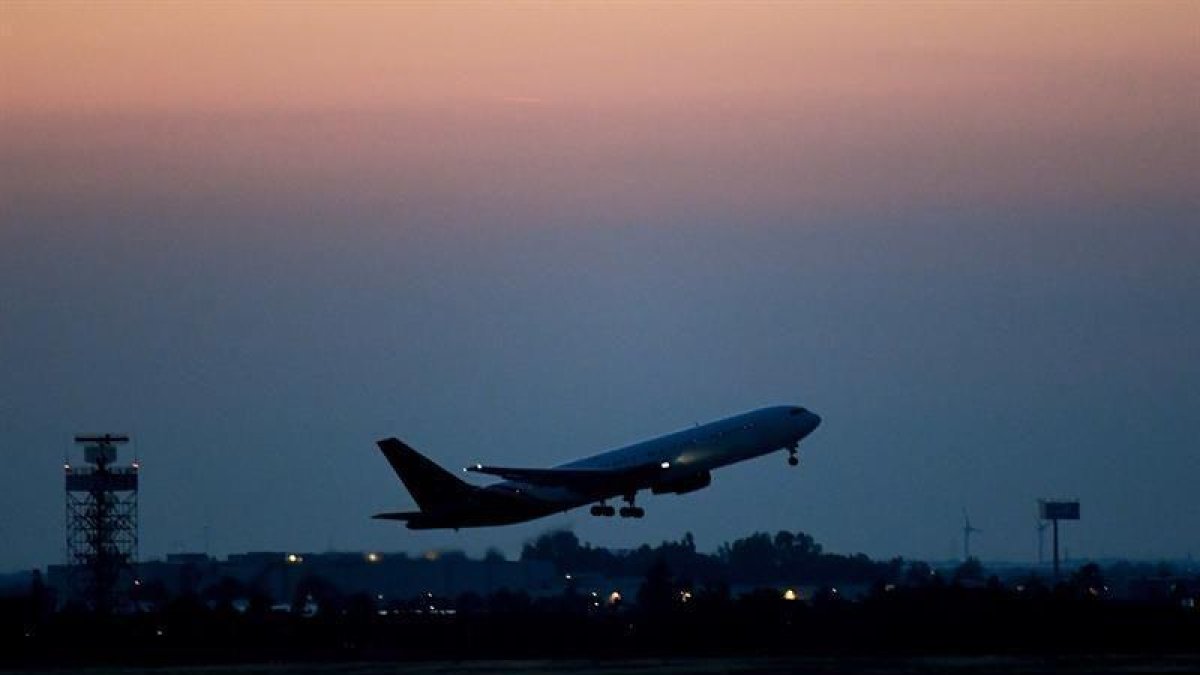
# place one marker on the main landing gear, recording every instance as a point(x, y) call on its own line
point(631, 511)
point(603, 510)
point(793, 460)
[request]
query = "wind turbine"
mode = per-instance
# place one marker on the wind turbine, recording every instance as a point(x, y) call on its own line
point(968, 530)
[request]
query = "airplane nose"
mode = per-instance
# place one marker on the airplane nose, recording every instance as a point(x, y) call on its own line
point(814, 420)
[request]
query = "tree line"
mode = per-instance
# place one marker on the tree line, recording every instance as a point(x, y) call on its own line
point(759, 558)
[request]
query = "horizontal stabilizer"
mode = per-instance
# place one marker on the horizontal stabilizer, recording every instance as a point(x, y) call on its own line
point(397, 515)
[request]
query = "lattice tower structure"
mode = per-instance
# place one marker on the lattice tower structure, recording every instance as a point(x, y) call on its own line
point(102, 524)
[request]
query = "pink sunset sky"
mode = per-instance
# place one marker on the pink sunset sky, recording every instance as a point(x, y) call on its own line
point(558, 108)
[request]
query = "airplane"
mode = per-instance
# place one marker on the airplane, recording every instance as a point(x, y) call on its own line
point(676, 463)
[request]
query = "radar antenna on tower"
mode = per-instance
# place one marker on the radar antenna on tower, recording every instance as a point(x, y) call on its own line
point(102, 523)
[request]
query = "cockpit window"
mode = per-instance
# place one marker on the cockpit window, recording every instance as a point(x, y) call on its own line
point(797, 411)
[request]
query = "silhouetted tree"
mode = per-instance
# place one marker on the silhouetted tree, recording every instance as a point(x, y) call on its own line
point(1088, 581)
point(360, 608)
point(224, 593)
point(469, 602)
point(919, 574)
point(754, 557)
point(970, 571)
point(319, 590)
point(560, 547)
point(657, 593)
point(505, 601)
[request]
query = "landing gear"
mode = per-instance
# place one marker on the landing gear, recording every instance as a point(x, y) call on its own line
point(631, 511)
point(604, 511)
point(793, 460)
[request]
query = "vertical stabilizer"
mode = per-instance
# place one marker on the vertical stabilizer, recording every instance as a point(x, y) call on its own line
point(430, 485)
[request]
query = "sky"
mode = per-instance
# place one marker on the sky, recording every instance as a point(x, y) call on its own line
point(259, 237)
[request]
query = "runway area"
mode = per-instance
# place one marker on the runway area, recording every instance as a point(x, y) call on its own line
point(965, 665)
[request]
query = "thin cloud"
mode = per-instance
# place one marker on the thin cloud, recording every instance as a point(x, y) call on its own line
point(524, 100)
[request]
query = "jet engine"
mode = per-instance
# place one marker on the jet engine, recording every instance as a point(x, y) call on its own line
point(683, 484)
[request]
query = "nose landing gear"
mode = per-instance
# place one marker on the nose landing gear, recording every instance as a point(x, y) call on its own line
point(793, 460)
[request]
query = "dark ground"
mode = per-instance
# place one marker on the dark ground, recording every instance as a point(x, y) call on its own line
point(911, 621)
point(739, 666)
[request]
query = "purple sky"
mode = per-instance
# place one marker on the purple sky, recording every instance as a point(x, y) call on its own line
point(968, 238)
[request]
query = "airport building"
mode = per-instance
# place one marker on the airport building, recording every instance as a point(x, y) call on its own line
point(280, 575)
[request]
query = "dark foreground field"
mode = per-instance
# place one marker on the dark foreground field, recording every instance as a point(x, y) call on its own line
point(733, 666)
point(910, 620)
point(938, 630)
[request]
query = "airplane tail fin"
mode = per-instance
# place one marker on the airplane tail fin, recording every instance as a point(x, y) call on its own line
point(429, 484)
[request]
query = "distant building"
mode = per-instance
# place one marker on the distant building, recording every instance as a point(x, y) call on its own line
point(384, 576)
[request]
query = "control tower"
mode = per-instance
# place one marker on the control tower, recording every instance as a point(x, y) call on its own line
point(102, 523)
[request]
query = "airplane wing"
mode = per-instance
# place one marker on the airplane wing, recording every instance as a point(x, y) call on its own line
point(582, 480)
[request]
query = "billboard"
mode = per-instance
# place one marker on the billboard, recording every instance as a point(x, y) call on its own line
point(1058, 510)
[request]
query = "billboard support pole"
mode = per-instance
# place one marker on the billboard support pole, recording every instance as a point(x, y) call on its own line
point(1054, 511)
point(1055, 521)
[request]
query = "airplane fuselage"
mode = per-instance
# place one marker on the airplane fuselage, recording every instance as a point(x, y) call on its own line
point(673, 463)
